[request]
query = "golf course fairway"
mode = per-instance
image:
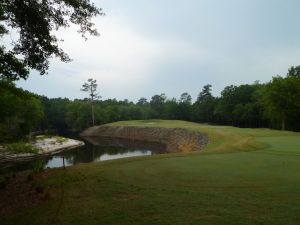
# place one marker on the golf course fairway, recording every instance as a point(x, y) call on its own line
point(244, 176)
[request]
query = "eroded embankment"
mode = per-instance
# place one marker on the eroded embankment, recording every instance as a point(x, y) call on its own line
point(175, 139)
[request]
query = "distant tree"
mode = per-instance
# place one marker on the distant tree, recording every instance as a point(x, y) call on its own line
point(238, 105)
point(55, 110)
point(185, 98)
point(112, 113)
point(205, 93)
point(294, 72)
point(91, 88)
point(171, 109)
point(142, 101)
point(203, 108)
point(35, 22)
point(78, 115)
point(226, 104)
point(184, 107)
point(130, 112)
point(282, 99)
point(157, 105)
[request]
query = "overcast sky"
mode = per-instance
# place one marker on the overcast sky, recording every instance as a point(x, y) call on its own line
point(171, 46)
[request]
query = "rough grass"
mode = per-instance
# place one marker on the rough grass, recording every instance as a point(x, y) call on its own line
point(244, 176)
point(21, 148)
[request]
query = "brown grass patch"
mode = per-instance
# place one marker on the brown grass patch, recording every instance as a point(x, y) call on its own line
point(125, 196)
point(24, 190)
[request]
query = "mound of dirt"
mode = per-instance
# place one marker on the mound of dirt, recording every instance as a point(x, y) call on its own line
point(175, 139)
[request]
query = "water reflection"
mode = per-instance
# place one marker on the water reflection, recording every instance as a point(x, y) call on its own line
point(124, 155)
point(95, 153)
point(95, 149)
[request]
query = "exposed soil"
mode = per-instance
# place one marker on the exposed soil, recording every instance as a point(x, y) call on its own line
point(175, 139)
point(23, 190)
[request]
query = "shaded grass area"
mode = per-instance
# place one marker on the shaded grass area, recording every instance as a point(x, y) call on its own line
point(21, 147)
point(244, 176)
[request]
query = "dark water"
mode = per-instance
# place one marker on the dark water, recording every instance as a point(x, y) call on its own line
point(95, 149)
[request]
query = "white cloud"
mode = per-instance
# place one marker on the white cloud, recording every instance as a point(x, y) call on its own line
point(120, 56)
point(121, 59)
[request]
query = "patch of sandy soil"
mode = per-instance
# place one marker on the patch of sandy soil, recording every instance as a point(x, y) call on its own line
point(46, 146)
point(50, 145)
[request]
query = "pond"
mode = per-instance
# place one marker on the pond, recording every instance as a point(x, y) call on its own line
point(95, 149)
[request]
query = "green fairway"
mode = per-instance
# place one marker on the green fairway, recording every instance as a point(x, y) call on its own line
point(244, 176)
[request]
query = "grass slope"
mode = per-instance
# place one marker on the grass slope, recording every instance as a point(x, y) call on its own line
point(245, 176)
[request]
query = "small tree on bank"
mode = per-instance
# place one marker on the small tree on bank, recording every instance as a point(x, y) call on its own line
point(91, 87)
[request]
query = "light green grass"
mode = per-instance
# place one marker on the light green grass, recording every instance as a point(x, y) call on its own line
point(244, 176)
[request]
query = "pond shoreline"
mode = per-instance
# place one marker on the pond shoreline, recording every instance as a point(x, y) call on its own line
point(46, 146)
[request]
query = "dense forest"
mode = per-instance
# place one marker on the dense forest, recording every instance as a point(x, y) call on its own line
point(275, 105)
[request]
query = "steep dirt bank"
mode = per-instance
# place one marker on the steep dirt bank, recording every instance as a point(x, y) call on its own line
point(175, 139)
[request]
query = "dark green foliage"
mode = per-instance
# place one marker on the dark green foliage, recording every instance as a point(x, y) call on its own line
point(55, 110)
point(157, 105)
point(142, 101)
point(171, 109)
point(282, 100)
point(21, 112)
point(294, 72)
point(35, 21)
point(11, 67)
point(184, 107)
point(275, 104)
point(204, 107)
point(255, 105)
point(240, 106)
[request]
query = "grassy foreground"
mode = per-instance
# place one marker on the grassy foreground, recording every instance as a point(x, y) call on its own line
point(245, 176)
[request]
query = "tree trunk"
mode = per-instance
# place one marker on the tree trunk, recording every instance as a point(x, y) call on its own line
point(93, 115)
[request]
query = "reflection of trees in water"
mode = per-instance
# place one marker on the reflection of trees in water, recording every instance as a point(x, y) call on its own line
point(125, 145)
point(97, 147)
point(92, 150)
point(78, 155)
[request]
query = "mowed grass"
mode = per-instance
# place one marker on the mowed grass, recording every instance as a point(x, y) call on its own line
point(244, 176)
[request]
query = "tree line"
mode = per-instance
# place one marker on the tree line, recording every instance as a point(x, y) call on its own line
point(275, 104)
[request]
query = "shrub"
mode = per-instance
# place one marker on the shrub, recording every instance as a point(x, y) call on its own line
point(21, 147)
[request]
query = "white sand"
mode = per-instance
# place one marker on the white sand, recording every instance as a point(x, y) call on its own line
point(50, 145)
point(46, 146)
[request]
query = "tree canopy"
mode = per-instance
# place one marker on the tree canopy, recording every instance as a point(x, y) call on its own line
point(35, 22)
point(275, 104)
